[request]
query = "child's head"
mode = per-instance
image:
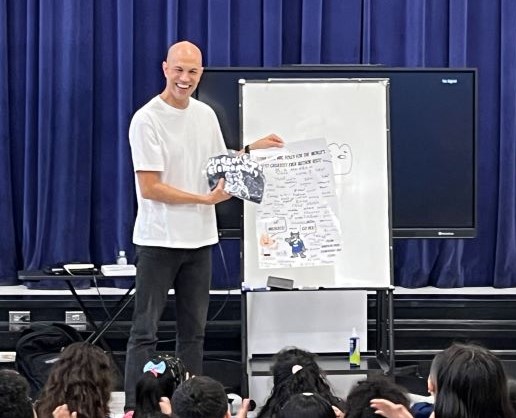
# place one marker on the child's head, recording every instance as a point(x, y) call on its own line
point(306, 405)
point(169, 372)
point(200, 397)
point(378, 387)
point(161, 377)
point(83, 378)
point(296, 367)
point(469, 381)
point(295, 371)
point(14, 395)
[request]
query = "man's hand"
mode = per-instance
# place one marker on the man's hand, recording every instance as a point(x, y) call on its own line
point(218, 194)
point(271, 140)
point(153, 188)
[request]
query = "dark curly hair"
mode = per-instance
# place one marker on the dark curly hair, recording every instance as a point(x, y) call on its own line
point(82, 378)
point(306, 405)
point(309, 378)
point(374, 387)
point(200, 397)
point(14, 395)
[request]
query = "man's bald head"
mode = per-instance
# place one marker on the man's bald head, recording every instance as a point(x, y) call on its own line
point(184, 49)
point(182, 70)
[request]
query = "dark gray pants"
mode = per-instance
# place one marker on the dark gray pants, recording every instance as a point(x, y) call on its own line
point(159, 269)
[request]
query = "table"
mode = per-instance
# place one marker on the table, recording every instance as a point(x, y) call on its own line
point(121, 305)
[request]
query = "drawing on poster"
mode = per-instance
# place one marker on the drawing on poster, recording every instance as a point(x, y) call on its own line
point(297, 222)
point(342, 157)
point(297, 244)
point(243, 176)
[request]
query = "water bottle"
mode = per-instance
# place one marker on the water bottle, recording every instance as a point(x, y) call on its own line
point(354, 349)
point(121, 259)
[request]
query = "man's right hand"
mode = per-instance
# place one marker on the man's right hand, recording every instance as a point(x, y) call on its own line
point(153, 188)
point(218, 194)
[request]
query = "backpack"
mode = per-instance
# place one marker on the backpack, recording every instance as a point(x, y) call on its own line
point(38, 348)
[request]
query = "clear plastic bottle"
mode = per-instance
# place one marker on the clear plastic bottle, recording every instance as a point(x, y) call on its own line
point(354, 349)
point(121, 259)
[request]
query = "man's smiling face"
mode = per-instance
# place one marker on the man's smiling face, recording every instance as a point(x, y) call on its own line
point(183, 70)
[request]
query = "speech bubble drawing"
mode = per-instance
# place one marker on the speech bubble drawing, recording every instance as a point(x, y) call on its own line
point(309, 227)
point(342, 158)
point(276, 226)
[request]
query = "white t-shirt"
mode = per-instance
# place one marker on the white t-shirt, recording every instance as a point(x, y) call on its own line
point(177, 143)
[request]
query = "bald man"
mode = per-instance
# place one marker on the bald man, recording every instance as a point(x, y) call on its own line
point(172, 137)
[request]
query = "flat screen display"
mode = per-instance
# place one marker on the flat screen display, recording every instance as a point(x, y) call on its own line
point(432, 142)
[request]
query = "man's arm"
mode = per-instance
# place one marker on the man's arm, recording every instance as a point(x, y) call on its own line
point(151, 187)
point(271, 140)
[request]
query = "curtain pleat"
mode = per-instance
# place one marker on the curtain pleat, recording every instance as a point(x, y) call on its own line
point(272, 33)
point(458, 33)
point(125, 201)
point(366, 32)
point(172, 19)
point(112, 181)
point(311, 31)
point(219, 32)
point(73, 73)
point(8, 257)
point(246, 34)
point(415, 30)
point(341, 32)
point(192, 20)
point(505, 252)
point(437, 24)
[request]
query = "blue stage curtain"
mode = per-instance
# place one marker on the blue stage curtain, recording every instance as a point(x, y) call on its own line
point(72, 73)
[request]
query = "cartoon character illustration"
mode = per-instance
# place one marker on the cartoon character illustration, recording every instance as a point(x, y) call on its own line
point(298, 247)
point(342, 158)
point(267, 243)
point(235, 185)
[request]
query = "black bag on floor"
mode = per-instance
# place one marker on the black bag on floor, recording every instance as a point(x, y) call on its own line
point(38, 349)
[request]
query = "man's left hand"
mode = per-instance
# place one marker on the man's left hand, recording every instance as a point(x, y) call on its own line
point(271, 140)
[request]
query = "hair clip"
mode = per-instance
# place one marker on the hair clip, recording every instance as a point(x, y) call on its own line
point(296, 368)
point(307, 394)
point(155, 368)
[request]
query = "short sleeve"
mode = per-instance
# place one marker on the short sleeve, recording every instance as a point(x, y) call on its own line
point(146, 147)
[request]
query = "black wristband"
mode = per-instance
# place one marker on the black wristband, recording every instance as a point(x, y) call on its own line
point(246, 149)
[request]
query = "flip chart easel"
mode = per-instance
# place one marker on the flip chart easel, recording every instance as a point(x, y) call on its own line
point(352, 115)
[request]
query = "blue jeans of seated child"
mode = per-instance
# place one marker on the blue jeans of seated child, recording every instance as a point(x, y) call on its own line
point(188, 272)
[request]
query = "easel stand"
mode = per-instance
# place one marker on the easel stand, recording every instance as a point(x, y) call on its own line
point(381, 360)
point(347, 119)
point(385, 330)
